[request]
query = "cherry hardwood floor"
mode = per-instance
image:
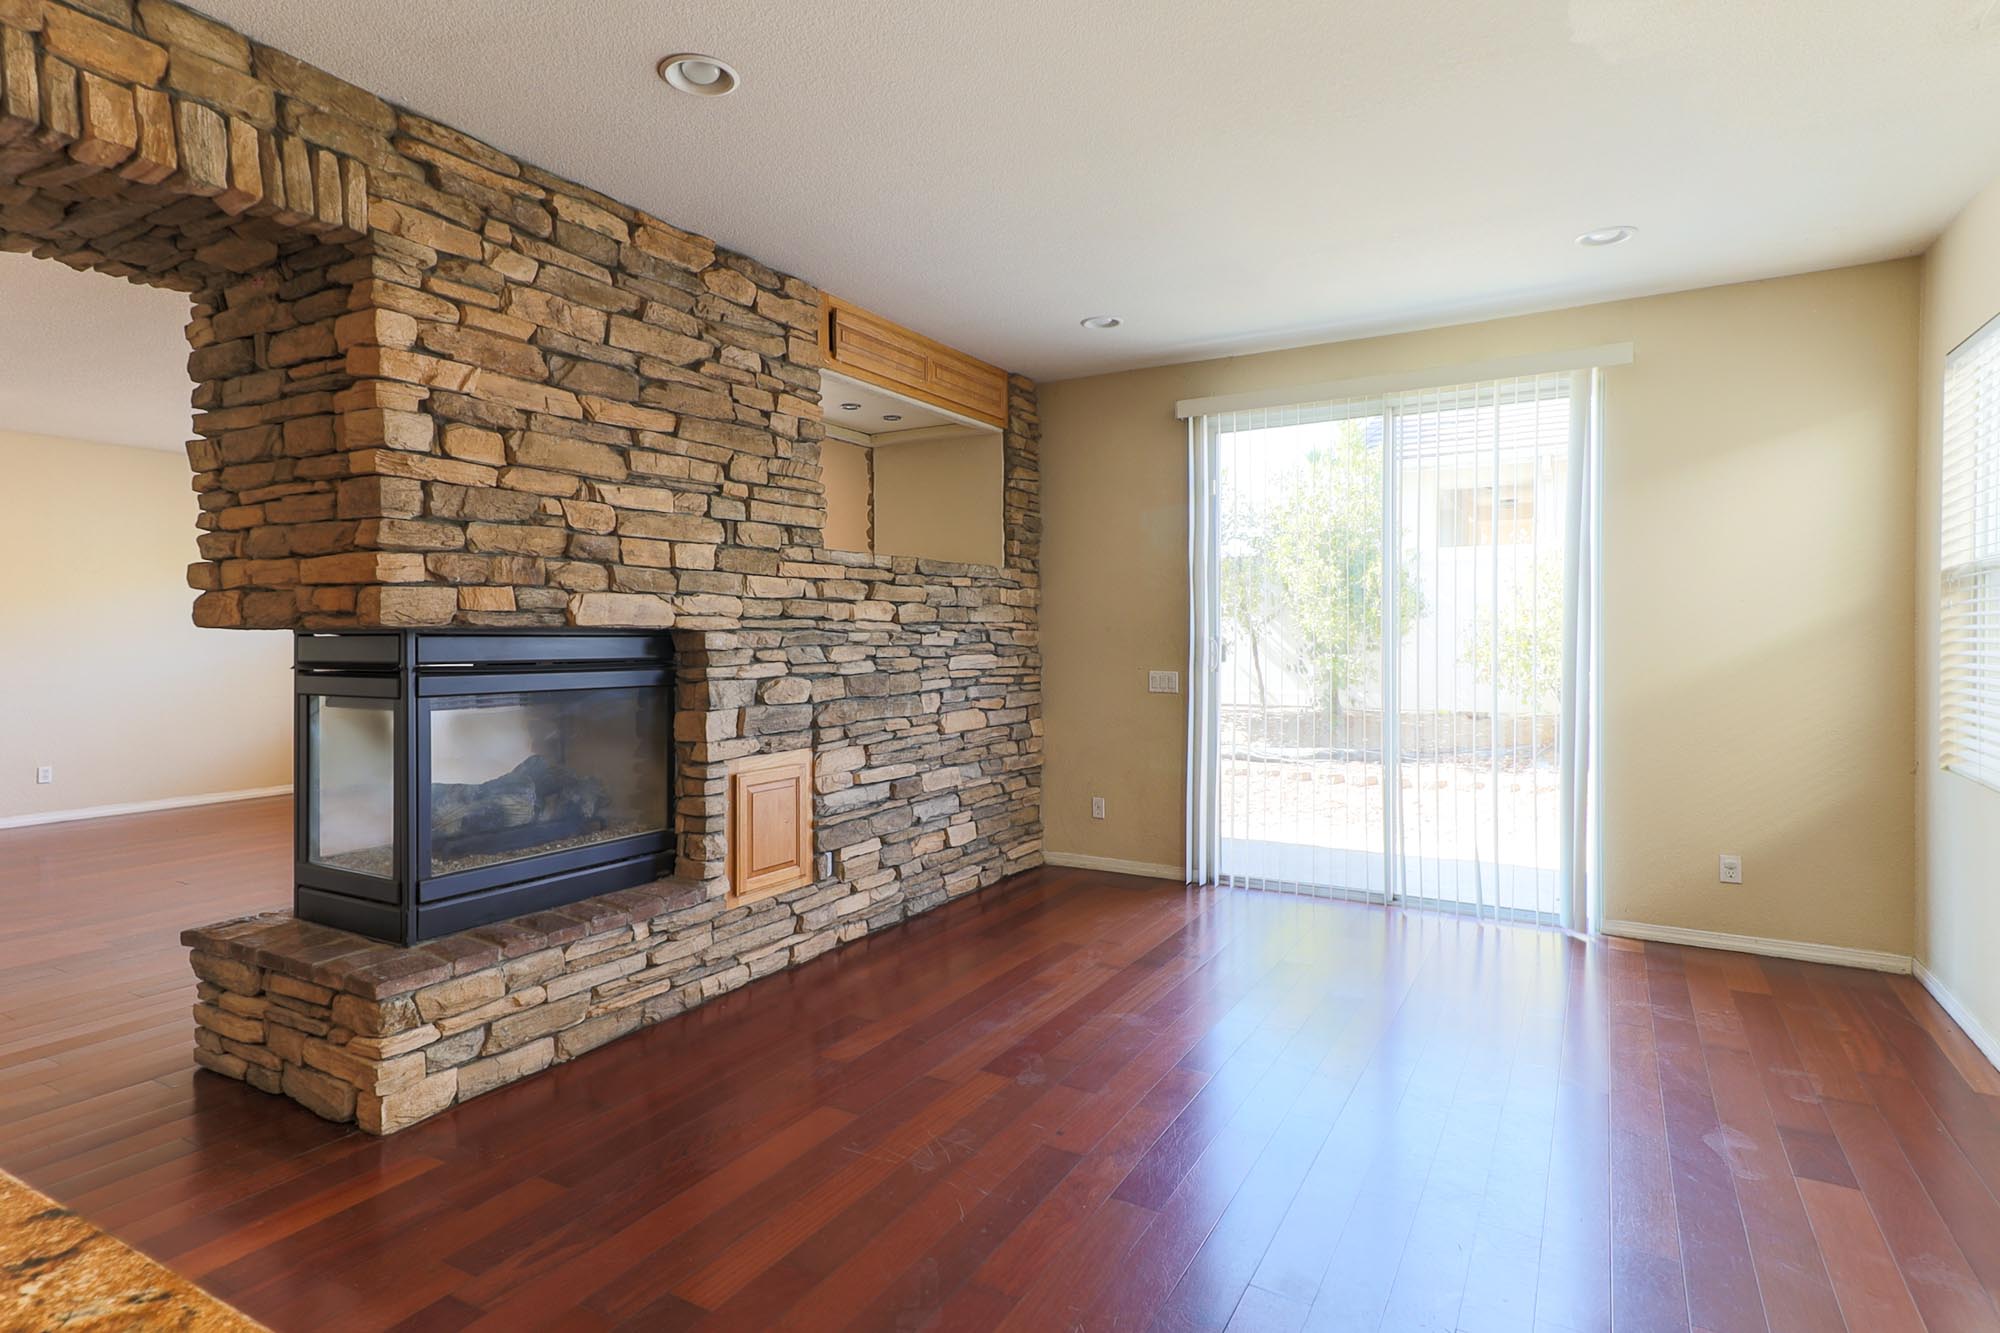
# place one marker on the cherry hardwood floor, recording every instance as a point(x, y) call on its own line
point(1075, 1101)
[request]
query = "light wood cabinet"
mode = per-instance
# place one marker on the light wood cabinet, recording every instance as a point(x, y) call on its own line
point(860, 343)
point(770, 824)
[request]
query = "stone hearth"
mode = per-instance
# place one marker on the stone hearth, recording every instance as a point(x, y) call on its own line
point(385, 1036)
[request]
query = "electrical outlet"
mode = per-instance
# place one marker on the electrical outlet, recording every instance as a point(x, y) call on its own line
point(45, 775)
point(1097, 807)
point(1163, 682)
point(1731, 868)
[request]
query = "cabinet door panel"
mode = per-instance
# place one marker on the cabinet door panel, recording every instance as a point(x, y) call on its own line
point(976, 389)
point(872, 345)
point(770, 824)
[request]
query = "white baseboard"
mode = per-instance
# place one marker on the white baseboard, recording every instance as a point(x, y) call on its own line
point(1873, 959)
point(141, 807)
point(1150, 869)
point(1959, 1014)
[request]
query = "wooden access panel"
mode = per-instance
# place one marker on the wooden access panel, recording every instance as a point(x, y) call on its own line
point(770, 824)
point(861, 343)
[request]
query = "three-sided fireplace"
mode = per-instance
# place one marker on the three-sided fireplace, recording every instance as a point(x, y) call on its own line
point(446, 779)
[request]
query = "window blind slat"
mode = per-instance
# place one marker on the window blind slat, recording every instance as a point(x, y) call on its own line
point(1969, 561)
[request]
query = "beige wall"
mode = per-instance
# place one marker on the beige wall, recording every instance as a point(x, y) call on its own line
point(96, 593)
point(1958, 902)
point(940, 496)
point(1759, 524)
point(844, 470)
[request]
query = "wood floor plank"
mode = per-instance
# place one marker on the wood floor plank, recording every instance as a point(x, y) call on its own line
point(1978, 1073)
point(1946, 1292)
point(1873, 1297)
point(1797, 1294)
point(606, 1259)
point(934, 1276)
point(1722, 1284)
point(1966, 1114)
point(1955, 1189)
point(1648, 1279)
point(1076, 1100)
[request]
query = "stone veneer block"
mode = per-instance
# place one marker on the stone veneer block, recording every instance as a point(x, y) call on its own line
point(356, 1030)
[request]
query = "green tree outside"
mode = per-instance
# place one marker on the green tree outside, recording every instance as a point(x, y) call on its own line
point(1523, 654)
point(1312, 563)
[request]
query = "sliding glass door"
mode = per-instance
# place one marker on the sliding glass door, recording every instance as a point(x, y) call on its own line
point(1300, 784)
point(1392, 616)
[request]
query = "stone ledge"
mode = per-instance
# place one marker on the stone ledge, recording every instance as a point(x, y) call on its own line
point(383, 1036)
point(371, 970)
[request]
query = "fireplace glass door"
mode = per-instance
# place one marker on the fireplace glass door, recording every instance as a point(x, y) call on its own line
point(518, 775)
point(351, 810)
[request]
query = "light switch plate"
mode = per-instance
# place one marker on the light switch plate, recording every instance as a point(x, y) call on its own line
point(1163, 682)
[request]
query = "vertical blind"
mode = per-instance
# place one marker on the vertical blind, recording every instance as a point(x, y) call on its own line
point(1969, 561)
point(1386, 596)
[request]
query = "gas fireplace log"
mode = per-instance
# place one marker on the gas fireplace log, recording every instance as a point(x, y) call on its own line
point(534, 795)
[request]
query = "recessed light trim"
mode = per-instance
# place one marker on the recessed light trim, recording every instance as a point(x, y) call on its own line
point(850, 407)
point(698, 75)
point(1599, 237)
point(892, 416)
point(1101, 321)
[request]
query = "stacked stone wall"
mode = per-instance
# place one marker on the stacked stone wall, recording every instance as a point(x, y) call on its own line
point(437, 385)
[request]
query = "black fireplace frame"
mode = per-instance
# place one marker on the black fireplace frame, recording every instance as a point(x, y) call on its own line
point(410, 671)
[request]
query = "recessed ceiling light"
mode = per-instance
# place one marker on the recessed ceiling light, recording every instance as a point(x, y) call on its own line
point(1607, 236)
point(892, 416)
point(850, 407)
point(698, 75)
point(1101, 322)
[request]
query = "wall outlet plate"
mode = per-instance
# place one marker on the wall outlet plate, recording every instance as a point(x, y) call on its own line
point(1730, 869)
point(45, 774)
point(1163, 682)
point(1097, 807)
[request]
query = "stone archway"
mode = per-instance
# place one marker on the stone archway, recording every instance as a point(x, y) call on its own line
point(105, 166)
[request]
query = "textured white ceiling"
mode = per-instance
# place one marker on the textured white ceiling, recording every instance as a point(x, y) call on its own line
point(1225, 176)
point(91, 357)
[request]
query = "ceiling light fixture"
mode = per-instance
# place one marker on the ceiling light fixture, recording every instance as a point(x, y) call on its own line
point(892, 416)
point(1607, 236)
point(1101, 322)
point(850, 407)
point(698, 75)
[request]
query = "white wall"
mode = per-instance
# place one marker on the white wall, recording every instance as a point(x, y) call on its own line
point(1759, 526)
point(102, 673)
point(1958, 831)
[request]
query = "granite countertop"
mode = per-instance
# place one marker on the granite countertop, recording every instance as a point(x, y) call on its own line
point(57, 1271)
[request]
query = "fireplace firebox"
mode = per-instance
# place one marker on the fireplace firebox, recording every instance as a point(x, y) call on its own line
point(446, 779)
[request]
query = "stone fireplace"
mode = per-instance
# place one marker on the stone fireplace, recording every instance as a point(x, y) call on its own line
point(439, 388)
point(450, 779)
